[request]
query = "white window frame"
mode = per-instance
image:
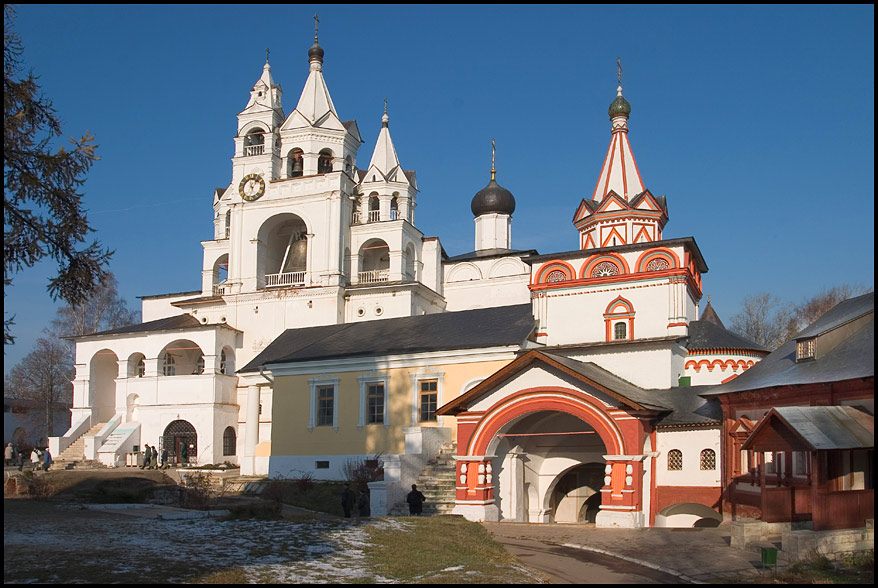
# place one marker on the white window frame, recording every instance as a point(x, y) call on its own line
point(417, 377)
point(318, 382)
point(365, 381)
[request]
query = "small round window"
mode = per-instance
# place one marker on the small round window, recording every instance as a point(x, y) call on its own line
point(361, 312)
point(379, 311)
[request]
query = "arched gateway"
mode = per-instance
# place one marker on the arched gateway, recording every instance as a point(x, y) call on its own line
point(547, 438)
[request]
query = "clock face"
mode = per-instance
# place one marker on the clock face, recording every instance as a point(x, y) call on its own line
point(251, 187)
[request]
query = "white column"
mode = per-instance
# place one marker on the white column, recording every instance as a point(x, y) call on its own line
point(251, 433)
point(517, 457)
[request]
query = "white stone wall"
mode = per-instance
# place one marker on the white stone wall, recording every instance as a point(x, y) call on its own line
point(691, 443)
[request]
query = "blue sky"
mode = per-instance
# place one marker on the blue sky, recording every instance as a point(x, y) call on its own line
point(756, 122)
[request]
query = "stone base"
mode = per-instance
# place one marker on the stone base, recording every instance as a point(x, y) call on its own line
point(625, 519)
point(478, 512)
point(743, 533)
point(805, 545)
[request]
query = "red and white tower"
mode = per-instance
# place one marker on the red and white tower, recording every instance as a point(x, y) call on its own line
point(620, 211)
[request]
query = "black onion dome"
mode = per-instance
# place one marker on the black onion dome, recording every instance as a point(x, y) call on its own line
point(619, 107)
point(315, 52)
point(493, 198)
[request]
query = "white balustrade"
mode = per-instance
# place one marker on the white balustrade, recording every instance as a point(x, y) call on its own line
point(372, 276)
point(286, 279)
point(254, 150)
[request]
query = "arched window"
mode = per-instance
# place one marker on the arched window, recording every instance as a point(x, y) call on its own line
point(140, 368)
point(675, 460)
point(168, 365)
point(348, 166)
point(394, 209)
point(324, 162)
point(374, 208)
point(228, 223)
point(227, 363)
point(708, 459)
point(254, 142)
point(619, 320)
point(556, 276)
point(295, 163)
point(605, 268)
point(229, 441)
point(199, 366)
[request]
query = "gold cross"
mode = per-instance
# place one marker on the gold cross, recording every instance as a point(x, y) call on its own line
point(316, 20)
point(493, 152)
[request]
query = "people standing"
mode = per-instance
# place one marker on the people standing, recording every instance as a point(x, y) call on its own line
point(165, 458)
point(154, 464)
point(35, 459)
point(7, 454)
point(415, 500)
point(347, 501)
point(184, 454)
point(147, 453)
point(47, 460)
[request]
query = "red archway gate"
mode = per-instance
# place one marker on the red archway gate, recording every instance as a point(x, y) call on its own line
point(621, 423)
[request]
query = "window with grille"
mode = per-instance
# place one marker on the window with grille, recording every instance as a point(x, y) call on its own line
point(620, 331)
point(805, 349)
point(605, 268)
point(325, 405)
point(375, 404)
point(675, 459)
point(556, 276)
point(140, 369)
point(708, 459)
point(229, 441)
point(428, 398)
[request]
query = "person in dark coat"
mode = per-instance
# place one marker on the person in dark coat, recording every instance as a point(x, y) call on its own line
point(416, 501)
point(364, 506)
point(347, 501)
point(165, 458)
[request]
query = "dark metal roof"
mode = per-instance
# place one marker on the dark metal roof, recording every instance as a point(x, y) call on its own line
point(489, 253)
point(840, 314)
point(852, 358)
point(685, 241)
point(688, 407)
point(485, 327)
point(704, 334)
point(822, 427)
point(180, 321)
point(709, 315)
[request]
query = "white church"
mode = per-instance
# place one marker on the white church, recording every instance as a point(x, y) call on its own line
point(328, 327)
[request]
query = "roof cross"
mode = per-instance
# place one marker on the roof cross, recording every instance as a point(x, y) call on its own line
point(619, 65)
point(266, 54)
point(493, 152)
point(316, 21)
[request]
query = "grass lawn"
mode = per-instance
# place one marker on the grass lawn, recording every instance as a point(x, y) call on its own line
point(440, 550)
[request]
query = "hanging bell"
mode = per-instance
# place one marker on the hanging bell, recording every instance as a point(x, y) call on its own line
point(297, 167)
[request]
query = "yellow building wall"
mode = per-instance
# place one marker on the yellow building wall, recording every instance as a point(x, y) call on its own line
point(291, 410)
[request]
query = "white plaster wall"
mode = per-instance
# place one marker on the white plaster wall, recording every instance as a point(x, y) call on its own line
point(690, 442)
point(157, 307)
point(484, 283)
point(655, 366)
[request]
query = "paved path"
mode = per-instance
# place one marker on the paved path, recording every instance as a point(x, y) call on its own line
point(690, 555)
point(568, 565)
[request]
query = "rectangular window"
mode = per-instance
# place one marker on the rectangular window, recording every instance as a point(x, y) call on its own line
point(375, 404)
point(428, 398)
point(800, 463)
point(321, 465)
point(325, 402)
point(805, 349)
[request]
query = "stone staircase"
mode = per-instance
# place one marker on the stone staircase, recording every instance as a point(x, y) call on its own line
point(75, 453)
point(436, 482)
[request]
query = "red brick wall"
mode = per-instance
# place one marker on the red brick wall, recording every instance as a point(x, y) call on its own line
point(668, 495)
